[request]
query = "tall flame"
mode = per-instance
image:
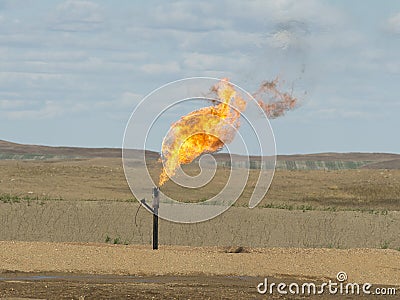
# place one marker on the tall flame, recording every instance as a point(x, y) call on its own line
point(208, 129)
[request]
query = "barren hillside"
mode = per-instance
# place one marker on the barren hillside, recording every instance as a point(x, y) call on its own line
point(331, 160)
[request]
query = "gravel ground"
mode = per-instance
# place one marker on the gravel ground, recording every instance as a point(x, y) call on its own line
point(378, 266)
point(43, 270)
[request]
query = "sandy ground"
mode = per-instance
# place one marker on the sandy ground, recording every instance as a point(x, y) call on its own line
point(380, 266)
point(179, 264)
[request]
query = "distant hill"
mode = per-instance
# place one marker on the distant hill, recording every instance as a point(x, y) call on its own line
point(332, 160)
point(20, 149)
point(387, 164)
point(9, 150)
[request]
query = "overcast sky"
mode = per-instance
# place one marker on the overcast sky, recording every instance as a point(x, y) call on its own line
point(71, 72)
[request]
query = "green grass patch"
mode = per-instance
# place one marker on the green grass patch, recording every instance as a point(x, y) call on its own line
point(10, 198)
point(385, 245)
point(115, 241)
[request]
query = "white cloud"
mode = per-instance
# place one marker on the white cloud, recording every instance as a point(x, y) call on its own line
point(221, 41)
point(232, 25)
point(344, 38)
point(161, 68)
point(260, 13)
point(129, 99)
point(33, 76)
point(393, 23)
point(125, 101)
point(77, 15)
point(30, 109)
point(12, 4)
point(339, 113)
point(207, 62)
point(199, 61)
point(192, 16)
point(49, 109)
point(393, 66)
point(6, 104)
point(54, 55)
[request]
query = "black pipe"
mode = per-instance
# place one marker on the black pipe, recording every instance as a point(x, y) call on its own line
point(155, 231)
point(155, 217)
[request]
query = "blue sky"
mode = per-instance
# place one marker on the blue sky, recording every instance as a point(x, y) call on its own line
point(71, 72)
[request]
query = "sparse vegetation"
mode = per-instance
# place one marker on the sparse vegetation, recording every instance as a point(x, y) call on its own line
point(11, 198)
point(278, 206)
point(131, 200)
point(374, 191)
point(8, 198)
point(335, 245)
point(385, 245)
point(116, 241)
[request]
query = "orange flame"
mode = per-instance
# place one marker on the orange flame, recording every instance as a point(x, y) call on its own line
point(208, 129)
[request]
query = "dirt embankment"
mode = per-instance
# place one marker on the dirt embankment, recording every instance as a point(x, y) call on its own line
point(107, 221)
